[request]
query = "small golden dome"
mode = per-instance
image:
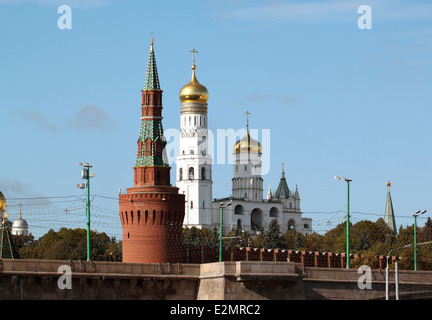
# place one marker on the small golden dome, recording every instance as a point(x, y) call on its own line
point(247, 144)
point(194, 91)
point(2, 201)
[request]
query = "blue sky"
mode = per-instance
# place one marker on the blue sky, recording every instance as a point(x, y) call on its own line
point(337, 100)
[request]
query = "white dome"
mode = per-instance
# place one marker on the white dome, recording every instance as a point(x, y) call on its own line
point(20, 226)
point(20, 223)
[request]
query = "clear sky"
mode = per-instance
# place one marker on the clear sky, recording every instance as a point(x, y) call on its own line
point(336, 99)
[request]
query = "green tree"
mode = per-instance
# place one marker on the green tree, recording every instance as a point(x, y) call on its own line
point(313, 242)
point(67, 244)
point(238, 237)
point(294, 240)
point(191, 236)
point(210, 237)
point(273, 238)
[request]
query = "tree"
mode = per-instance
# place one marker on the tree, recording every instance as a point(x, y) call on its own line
point(238, 237)
point(210, 237)
point(67, 244)
point(313, 241)
point(273, 238)
point(191, 236)
point(294, 240)
point(362, 243)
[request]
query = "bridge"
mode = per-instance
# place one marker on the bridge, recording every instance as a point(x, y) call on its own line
point(233, 280)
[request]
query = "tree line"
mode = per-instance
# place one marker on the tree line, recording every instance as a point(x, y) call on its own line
point(367, 238)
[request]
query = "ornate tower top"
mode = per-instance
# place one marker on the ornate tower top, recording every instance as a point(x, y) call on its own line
point(247, 143)
point(152, 78)
point(194, 91)
point(151, 160)
point(282, 190)
point(389, 216)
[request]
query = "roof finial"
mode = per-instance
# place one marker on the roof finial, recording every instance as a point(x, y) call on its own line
point(283, 170)
point(388, 183)
point(152, 41)
point(20, 205)
point(247, 113)
point(193, 57)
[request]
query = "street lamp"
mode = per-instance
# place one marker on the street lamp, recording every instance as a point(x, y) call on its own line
point(85, 173)
point(347, 221)
point(415, 215)
point(221, 206)
point(387, 270)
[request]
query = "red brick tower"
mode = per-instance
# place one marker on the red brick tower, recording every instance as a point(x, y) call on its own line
point(152, 211)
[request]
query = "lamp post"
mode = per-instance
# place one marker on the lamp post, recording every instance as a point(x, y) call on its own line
point(347, 221)
point(221, 206)
point(387, 270)
point(415, 215)
point(86, 176)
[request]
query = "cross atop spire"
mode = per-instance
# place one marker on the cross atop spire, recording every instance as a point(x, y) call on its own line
point(247, 113)
point(193, 57)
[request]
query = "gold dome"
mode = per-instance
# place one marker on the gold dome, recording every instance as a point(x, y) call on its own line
point(2, 201)
point(247, 144)
point(194, 91)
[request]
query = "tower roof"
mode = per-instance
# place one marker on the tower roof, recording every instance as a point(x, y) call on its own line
point(152, 78)
point(151, 141)
point(283, 186)
point(194, 91)
point(247, 143)
point(389, 217)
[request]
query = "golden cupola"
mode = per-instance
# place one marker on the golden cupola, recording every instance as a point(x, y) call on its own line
point(247, 143)
point(194, 91)
point(2, 202)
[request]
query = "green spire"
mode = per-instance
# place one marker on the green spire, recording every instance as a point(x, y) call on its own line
point(152, 78)
point(283, 186)
point(389, 217)
point(7, 248)
point(153, 144)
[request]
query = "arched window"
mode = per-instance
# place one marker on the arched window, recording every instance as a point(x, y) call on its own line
point(191, 204)
point(181, 174)
point(203, 173)
point(291, 224)
point(148, 147)
point(191, 173)
point(238, 209)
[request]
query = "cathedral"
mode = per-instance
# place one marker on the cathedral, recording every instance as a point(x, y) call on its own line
point(19, 226)
point(245, 208)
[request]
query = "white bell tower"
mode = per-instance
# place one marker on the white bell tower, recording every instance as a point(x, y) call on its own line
point(194, 163)
point(247, 182)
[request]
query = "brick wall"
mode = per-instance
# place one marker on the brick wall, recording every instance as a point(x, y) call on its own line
point(206, 254)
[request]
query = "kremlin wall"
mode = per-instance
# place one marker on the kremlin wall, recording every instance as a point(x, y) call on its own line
point(157, 266)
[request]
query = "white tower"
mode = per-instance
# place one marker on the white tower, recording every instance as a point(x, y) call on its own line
point(247, 183)
point(194, 164)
